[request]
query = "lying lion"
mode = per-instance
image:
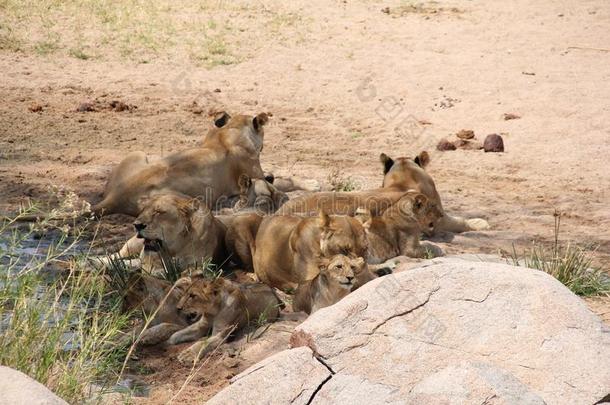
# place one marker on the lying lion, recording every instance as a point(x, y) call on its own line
point(287, 248)
point(334, 281)
point(210, 172)
point(157, 299)
point(397, 231)
point(219, 308)
point(400, 175)
point(186, 231)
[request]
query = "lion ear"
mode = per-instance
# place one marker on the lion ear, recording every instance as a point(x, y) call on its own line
point(183, 283)
point(143, 202)
point(419, 201)
point(221, 118)
point(364, 216)
point(387, 162)
point(260, 120)
point(422, 159)
point(269, 178)
point(244, 183)
point(323, 219)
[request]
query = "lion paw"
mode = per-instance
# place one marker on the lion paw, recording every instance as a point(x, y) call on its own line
point(187, 357)
point(477, 224)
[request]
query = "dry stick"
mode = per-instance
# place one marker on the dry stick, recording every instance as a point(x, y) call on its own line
point(194, 372)
point(586, 48)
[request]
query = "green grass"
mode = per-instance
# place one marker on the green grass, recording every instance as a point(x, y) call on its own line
point(571, 265)
point(61, 330)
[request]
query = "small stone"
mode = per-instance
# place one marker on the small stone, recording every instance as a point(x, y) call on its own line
point(217, 90)
point(444, 145)
point(465, 134)
point(85, 107)
point(35, 107)
point(493, 143)
point(120, 106)
point(511, 116)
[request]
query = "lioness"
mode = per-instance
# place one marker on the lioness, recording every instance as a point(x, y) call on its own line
point(400, 175)
point(396, 232)
point(219, 308)
point(210, 171)
point(182, 228)
point(287, 247)
point(333, 282)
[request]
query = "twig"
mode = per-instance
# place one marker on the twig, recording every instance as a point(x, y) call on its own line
point(586, 48)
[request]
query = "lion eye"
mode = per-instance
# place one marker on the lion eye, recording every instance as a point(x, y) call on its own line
point(339, 266)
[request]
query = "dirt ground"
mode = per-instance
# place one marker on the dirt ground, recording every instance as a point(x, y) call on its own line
point(345, 81)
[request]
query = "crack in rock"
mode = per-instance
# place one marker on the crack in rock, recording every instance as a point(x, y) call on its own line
point(327, 379)
point(408, 311)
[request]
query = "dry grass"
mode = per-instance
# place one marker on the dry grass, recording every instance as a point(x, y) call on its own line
point(206, 33)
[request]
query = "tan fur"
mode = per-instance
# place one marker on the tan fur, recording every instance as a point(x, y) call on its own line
point(156, 297)
point(219, 308)
point(397, 231)
point(400, 175)
point(287, 248)
point(333, 282)
point(182, 228)
point(259, 195)
point(241, 236)
point(210, 172)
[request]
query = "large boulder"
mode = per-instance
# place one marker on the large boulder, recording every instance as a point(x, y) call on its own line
point(17, 388)
point(449, 331)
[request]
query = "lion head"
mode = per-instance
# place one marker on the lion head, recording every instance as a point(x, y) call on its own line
point(340, 271)
point(167, 219)
point(260, 194)
point(202, 298)
point(341, 235)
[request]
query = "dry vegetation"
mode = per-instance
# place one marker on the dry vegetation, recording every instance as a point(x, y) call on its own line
point(205, 33)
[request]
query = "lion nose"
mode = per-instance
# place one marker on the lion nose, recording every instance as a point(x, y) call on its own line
point(350, 278)
point(139, 226)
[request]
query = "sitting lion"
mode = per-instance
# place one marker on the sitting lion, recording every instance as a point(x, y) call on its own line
point(219, 308)
point(400, 175)
point(287, 248)
point(209, 172)
point(334, 281)
point(396, 232)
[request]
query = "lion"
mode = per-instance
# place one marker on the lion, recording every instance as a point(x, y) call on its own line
point(241, 236)
point(286, 248)
point(400, 175)
point(396, 232)
point(156, 298)
point(259, 195)
point(220, 308)
point(210, 171)
point(334, 281)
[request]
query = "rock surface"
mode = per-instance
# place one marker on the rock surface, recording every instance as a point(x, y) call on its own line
point(17, 388)
point(449, 331)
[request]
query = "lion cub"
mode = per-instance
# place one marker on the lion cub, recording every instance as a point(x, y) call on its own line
point(397, 231)
point(287, 248)
point(220, 308)
point(335, 281)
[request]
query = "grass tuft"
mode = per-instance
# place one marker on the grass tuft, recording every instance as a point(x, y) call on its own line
point(569, 264)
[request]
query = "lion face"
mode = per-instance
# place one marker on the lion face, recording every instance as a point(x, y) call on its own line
point(165, 221)
point(417, 207)
point(340, 270)
point(260, 194)
point(342, 235)
point(201, 299)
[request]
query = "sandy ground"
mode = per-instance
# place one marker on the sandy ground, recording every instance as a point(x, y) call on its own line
point(346, 82)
